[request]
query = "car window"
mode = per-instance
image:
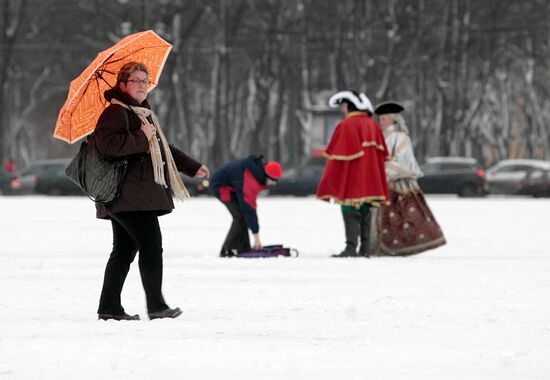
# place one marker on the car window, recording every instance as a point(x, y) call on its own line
point(50, 170)
point(523, 168)
point(456, 166)
point(36, 170)
point(29, 171)
point(430, 167)
point(45, 170)
point(512, 169)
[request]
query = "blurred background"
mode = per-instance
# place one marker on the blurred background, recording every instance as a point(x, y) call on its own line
point(254, 76)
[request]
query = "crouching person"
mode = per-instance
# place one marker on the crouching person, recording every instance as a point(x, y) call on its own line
point(237, 185)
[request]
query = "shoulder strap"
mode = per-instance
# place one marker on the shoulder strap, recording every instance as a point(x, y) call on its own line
point(127, 125)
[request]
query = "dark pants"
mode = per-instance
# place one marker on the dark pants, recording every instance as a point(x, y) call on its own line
point(237, 237)
point(133, 231)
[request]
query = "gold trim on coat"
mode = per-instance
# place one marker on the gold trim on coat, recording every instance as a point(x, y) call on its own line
point(376, 200)
point(343, 158)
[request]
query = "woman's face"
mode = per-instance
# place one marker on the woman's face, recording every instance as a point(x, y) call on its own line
point(136, 86)
point(386, 121)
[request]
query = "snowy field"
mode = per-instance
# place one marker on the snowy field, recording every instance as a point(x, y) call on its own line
point(477, 308)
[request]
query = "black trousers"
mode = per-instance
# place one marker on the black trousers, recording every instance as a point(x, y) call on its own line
point(237, 238)
point(134, 231)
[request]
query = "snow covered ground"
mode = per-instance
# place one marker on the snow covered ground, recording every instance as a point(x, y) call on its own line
point(477, 308)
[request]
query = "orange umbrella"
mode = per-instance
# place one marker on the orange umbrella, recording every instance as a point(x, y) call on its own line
point(85, 102)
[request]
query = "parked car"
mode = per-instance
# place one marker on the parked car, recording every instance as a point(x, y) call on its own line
point(453, 175)
point(22, 185)
point(536, 183)
point(5, 182)
point(507, 175)
point(46, 177)
point(302, 181)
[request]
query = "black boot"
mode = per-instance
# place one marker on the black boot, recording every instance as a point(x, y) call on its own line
point(365, 234)
point(117, 317)
point(166, 313)
point(226, 253)
point(351, 226)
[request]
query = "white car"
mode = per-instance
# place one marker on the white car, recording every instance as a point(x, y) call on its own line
point(506, 176)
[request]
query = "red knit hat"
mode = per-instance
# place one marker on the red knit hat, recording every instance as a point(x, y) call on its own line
point(273, 170)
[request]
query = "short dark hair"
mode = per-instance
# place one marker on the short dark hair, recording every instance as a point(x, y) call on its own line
point(351, 106)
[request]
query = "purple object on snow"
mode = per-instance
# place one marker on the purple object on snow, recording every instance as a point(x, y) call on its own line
point(269, 251)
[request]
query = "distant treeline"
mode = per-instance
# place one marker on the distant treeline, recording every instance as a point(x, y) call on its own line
point(243, 74)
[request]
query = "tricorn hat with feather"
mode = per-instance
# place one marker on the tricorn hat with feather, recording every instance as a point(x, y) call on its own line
point(360, 101)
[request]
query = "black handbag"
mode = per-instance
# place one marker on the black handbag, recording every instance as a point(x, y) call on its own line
point(99, 176)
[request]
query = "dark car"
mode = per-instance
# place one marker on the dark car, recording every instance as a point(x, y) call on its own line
point(6, 182)
point(453, 175)
point(536, 183)
point(302, 181)
point(47, 177)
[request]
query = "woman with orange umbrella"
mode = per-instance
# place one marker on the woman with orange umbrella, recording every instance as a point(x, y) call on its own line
point(128, 128)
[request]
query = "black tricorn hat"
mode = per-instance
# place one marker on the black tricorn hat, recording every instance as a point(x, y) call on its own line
point(388, 107)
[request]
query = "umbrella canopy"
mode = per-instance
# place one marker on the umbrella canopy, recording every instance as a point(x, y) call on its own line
point(85, 102)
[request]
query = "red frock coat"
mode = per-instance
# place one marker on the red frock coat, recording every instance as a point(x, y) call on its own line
point(355, 172)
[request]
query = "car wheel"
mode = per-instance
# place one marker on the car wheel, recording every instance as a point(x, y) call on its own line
point(468, 190)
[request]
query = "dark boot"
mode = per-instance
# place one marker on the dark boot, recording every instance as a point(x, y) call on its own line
point(226, 253)
point(351, 226)
point(118, 317)
point(166, 313)
point(365, 234)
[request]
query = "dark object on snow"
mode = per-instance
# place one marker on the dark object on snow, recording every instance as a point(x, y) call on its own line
point(166, 313)
point(269, 251)
point(357, 229)
point(118, 317)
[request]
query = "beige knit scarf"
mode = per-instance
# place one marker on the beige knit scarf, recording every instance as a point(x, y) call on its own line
point(176, 184)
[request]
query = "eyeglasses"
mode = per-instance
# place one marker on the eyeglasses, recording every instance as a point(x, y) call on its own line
point(138, 81)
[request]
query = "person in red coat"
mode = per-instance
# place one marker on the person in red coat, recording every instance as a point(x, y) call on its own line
point(355, 175)
point(9, 166)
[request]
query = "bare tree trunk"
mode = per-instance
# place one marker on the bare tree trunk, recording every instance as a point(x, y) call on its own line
point(392, 33)
point(12, 12)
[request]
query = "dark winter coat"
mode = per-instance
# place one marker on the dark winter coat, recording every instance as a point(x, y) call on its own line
point(244, 178)
point(139, 191)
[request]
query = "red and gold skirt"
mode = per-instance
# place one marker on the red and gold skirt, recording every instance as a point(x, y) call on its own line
point(407, 226)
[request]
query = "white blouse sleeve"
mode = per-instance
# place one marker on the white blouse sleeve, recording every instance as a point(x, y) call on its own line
point(403, 163)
